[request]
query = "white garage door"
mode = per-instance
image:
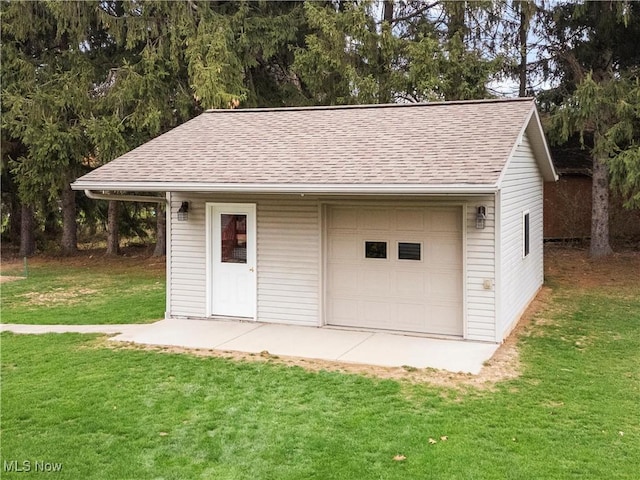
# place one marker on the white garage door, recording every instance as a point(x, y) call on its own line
point(395, 268)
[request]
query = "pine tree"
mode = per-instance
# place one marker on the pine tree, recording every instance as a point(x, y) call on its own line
point(595, 48)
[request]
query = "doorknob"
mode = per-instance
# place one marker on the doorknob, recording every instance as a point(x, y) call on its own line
point(251, 269)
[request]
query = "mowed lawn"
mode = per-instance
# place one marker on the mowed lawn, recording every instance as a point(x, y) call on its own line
point(120, 413)
point(84, 290)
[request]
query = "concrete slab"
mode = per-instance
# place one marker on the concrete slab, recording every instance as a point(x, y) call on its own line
point(189, 333)
point(294, 341)
point(401, 350)
point(369, 348)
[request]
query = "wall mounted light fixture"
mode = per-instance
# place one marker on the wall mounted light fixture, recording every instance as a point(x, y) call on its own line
point(183, 212)
point(481, 216)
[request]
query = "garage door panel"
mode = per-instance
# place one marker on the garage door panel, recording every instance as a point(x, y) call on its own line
point(411, 284)
point(343, 310)
point(444, 252)
point(410, 220)
point(446, 286)
point(343, 247)
point(410, 317)
point(343, 217)
point(443, 320)
point(344, 278)
point(374, 219)
point(445, 220)
point(374, 282)
point(420, 293)
point(377, 314)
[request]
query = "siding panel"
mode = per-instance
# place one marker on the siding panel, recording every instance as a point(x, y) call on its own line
point(480, 261)
point(187, 260)
point(289, 262)
point(522, 190)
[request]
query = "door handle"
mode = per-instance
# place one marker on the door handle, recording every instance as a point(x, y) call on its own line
point(251, 269)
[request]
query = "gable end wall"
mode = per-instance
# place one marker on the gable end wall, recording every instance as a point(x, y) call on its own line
point(520, 278)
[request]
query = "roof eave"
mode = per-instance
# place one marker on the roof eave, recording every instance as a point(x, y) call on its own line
point(289, 188)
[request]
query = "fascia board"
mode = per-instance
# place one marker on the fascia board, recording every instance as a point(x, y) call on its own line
point(337, 189)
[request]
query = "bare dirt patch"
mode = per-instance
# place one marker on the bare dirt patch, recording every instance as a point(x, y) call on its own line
point(573, 268)
point(8, 278)
point(131, 261)
point(58, 296)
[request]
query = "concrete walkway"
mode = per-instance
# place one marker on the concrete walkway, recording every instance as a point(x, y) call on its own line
point(370, 348)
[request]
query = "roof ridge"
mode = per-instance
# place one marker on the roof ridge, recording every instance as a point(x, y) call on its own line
point(370, 106)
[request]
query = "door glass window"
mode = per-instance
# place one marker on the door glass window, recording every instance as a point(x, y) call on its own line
point(234, 238)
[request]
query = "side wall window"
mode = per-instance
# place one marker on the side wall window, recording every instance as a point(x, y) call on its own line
point(525, 234)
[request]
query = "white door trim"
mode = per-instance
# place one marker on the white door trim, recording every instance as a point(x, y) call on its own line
point(211, 208)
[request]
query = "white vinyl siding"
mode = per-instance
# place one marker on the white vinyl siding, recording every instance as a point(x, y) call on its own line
point(289, 262)
point(480, 265)
point(187, 260)
point(288, 256)
point(520, 276)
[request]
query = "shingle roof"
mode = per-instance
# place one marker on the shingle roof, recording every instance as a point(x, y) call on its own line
point(462, 143)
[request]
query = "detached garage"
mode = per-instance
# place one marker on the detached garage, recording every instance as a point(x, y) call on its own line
point(418, 218)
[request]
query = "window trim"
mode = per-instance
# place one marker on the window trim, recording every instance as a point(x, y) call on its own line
point(526, 233)
point(386, 246)
point(421, 259)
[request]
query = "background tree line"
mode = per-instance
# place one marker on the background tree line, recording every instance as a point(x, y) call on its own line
point(84, 82)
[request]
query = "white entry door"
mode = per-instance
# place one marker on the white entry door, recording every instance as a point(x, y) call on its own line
point(232, 259)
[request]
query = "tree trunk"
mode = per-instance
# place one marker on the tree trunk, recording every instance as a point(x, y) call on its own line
point(161, 237)
point(523, 29)
point(384, 78)
point(15, 220)
point(69, 223)
point(51, 231)
point(27, 231)
point(113, 234)
point(600, 210)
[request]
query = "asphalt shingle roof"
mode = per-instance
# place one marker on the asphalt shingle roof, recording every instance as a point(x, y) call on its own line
point(421, 144)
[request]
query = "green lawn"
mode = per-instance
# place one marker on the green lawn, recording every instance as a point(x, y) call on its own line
point(574, 413)
point(67, 292)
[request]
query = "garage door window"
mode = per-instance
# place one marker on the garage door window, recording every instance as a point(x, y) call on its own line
point(375, 249)
point(409, 251)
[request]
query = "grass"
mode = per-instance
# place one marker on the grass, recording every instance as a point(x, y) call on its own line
point(81, 291)
point(137, 414)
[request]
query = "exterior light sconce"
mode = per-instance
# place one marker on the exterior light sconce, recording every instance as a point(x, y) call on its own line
point(183, 212)
point(481, 216)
